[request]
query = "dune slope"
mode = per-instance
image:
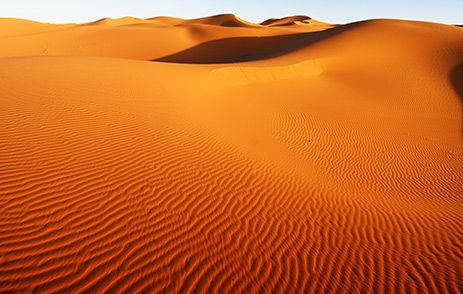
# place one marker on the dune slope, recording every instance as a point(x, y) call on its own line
point(214, 155)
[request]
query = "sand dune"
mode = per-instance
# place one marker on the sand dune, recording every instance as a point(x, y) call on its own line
point(224, 20)
point(129, 37)
point(128, 20)
point(215, 155)
point(11, 27)
point(291, 20)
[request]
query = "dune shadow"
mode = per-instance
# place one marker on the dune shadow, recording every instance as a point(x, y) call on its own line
point(243, 49)
point(456, 78)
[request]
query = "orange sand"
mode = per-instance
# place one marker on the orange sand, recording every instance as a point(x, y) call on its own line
point(170, 155)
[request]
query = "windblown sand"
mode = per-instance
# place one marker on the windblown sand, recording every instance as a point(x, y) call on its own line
point(218, 155)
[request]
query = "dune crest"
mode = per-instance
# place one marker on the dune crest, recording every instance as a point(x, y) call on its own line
point(167, 20)
point(290, 20)
point(224, 20)
point(117, 21)
point(167, 155)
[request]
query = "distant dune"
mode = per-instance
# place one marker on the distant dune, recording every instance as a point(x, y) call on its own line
point(291, 20)
point(166, 155)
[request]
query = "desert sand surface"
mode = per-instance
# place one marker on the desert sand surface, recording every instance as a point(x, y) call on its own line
point(166, 155)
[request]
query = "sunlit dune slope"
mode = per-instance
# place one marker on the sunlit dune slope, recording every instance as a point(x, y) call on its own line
point(215, 155)
point(11, 27)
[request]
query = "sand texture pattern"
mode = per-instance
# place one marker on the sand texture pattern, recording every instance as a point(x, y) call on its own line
point(216, 155)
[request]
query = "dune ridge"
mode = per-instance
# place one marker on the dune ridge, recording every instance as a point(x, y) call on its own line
point(215, 155)
point(290, 20)
point(127, 20)
point(224, 20)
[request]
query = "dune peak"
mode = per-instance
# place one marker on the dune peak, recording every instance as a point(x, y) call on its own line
point(224, 20)
point(289, 20)
point(116, 21)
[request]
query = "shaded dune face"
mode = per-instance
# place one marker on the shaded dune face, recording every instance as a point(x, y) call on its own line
point(291, 20)
point(242, 49)
point(238, 49)
point(166, 155)
point(456, 78)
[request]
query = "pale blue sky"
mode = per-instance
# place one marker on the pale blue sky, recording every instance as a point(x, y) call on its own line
point(339, 11)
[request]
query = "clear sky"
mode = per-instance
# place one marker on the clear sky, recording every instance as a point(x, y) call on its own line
point(339, 11)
